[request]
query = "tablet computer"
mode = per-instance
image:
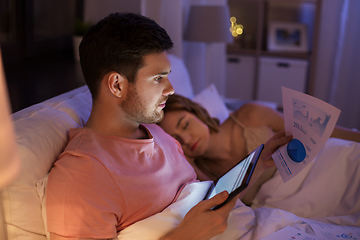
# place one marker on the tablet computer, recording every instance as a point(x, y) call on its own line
point(236, 179)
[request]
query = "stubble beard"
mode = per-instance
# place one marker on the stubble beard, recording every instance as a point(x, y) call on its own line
point(133, 107)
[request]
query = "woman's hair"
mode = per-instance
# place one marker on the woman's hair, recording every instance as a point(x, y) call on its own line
point(178, 102)
point(119, 43)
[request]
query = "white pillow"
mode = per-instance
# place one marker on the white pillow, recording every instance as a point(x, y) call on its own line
point(210, 99)
point(179, 77)
point(41, 135)
point(41, 191)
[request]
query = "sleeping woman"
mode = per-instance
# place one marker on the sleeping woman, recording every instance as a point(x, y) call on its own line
point(213, 148)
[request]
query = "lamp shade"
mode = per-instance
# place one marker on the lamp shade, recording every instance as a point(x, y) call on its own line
point(9, 162)
point(209, 24)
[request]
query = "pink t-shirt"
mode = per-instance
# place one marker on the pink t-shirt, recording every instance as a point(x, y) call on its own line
point(101, 184)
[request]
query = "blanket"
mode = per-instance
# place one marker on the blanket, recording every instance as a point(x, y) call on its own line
point(328, 187)
point(327, 191)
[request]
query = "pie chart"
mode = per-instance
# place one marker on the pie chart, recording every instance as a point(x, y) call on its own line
point(296, 150)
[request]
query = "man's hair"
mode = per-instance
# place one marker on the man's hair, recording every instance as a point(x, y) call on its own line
point(177, 102)
point(118, 43)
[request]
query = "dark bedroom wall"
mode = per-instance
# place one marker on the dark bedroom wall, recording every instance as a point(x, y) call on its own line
point(36, 45)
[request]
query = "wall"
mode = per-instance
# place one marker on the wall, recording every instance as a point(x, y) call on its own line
point(59, 18)
point(169, 15)
point(95, 10)
point(206, 62)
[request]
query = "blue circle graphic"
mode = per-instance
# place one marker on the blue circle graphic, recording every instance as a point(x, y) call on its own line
point(296, 150)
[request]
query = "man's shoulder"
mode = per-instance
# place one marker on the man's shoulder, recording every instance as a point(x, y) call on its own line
point(85, 142)
point(76, 132)
point(77, 136)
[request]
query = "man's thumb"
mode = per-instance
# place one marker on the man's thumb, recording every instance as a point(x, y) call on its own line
point(216, 200)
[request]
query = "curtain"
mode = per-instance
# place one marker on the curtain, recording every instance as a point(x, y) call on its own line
point(338, 71)
point(345, 84)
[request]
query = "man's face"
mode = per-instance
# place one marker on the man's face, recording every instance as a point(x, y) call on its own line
point(146, 97)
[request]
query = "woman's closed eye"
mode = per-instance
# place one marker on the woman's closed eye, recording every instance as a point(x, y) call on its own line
point(185, 125)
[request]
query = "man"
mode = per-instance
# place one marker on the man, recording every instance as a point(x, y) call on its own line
point(121, 168)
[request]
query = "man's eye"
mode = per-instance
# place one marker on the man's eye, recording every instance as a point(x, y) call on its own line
point(158, 78)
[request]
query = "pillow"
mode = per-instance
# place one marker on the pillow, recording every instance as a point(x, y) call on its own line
point(179, 77)
point(210, 99)
point(41, 133)
point(41, 191)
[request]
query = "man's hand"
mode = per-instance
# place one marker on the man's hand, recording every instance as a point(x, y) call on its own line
point(278, 140)
point(202, 223)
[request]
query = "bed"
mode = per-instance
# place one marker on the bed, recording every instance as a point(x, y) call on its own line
point(41, 134)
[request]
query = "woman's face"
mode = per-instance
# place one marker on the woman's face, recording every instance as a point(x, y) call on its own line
point(191, 132)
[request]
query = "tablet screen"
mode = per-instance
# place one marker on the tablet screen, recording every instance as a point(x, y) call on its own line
point(237, 178)
point(233, 179)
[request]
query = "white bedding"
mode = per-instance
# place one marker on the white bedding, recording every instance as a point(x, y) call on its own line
point(329, 186)
point(327, 191)
point(243, 222)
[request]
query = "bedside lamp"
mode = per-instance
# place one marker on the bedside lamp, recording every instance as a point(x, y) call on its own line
point(209, 24)
point(9, 161)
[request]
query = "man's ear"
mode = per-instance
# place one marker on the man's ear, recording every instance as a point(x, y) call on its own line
point(116, 84)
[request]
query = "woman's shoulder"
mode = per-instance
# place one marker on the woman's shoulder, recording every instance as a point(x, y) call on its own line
point(257, 114)
point(249, 112)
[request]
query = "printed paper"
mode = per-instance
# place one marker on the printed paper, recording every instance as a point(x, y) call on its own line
point(311, 122)
point(291, 233)
point(333, 232)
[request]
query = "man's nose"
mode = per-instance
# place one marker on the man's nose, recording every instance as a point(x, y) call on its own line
point(169, 89)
